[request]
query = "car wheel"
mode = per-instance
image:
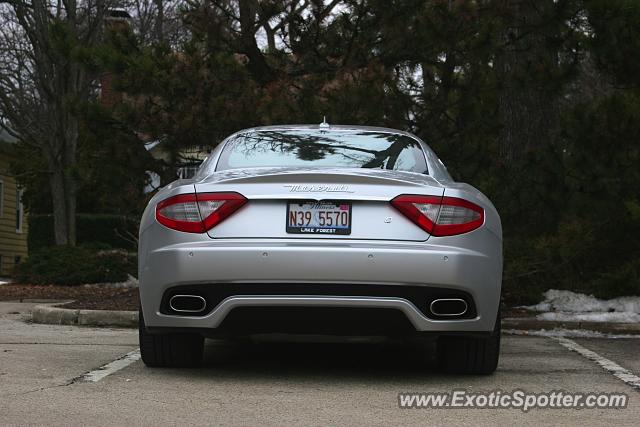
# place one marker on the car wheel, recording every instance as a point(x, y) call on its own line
point(169, 350)
point(470, 355)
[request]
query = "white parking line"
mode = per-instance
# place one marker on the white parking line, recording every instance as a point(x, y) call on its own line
point(618, 371)
point(111, 367)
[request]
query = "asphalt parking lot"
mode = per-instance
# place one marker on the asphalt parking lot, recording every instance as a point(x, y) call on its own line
point(43, 367)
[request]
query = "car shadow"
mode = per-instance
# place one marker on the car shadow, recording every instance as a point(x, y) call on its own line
point(357, 359)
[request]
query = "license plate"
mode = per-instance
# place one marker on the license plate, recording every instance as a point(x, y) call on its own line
point(319, 217)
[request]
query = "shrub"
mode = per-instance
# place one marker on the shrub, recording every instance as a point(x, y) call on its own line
point(582, 255)
point(76, 265)
point(115, 231)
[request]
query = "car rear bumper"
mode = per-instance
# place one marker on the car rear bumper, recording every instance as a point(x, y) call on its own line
point(429, 265)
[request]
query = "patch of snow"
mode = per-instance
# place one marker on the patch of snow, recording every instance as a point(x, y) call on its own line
point(571, 306)
point(131, 282)
point(567, 333)
point(556, 300)
point(564, 316)
point(4, 281)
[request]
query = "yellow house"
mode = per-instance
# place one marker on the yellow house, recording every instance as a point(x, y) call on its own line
point(13, 224)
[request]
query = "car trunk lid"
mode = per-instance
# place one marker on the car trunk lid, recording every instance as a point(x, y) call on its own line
point(367, 192)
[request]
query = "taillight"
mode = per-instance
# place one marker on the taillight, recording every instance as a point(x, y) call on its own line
point(440, 216)
point(197, 213)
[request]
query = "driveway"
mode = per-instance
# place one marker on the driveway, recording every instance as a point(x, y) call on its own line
point(43, 380)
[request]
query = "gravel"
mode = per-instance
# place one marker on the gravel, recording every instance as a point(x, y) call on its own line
point(88, 297)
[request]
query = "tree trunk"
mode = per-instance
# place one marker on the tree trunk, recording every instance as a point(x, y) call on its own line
point(63, 184)
point(71, 136)
point(159, 24)
point(258, 66)
point(63, 194)
point(60, 216)
point(70, 189)
point(527, 107)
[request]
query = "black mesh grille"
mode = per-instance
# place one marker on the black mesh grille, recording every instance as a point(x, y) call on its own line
point(316, 320)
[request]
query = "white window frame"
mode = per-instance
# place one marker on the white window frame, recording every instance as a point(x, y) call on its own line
point(188, 171)
point(19, 210)
point(1, 198)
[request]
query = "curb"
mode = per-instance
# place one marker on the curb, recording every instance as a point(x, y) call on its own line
point(529, 323)
point(49, 314)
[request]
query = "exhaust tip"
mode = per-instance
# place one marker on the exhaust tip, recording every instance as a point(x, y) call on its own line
point(449, 307)
point(187, 303)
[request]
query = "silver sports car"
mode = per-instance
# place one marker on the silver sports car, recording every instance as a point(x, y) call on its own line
point(339, 230)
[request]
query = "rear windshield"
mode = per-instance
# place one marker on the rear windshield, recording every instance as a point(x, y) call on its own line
point(317, 148)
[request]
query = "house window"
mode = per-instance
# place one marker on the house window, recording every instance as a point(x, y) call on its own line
point(1, 197)
point(19, 211)
point(187, 172)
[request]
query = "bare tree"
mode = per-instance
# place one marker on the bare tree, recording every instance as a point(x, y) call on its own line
point(157, 21)
point(44, 83)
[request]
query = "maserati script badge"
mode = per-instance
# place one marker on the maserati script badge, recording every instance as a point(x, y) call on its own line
point(320, 188)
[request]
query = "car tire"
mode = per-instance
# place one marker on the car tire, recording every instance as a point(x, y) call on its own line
point(169, 350)
point(470, 355)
